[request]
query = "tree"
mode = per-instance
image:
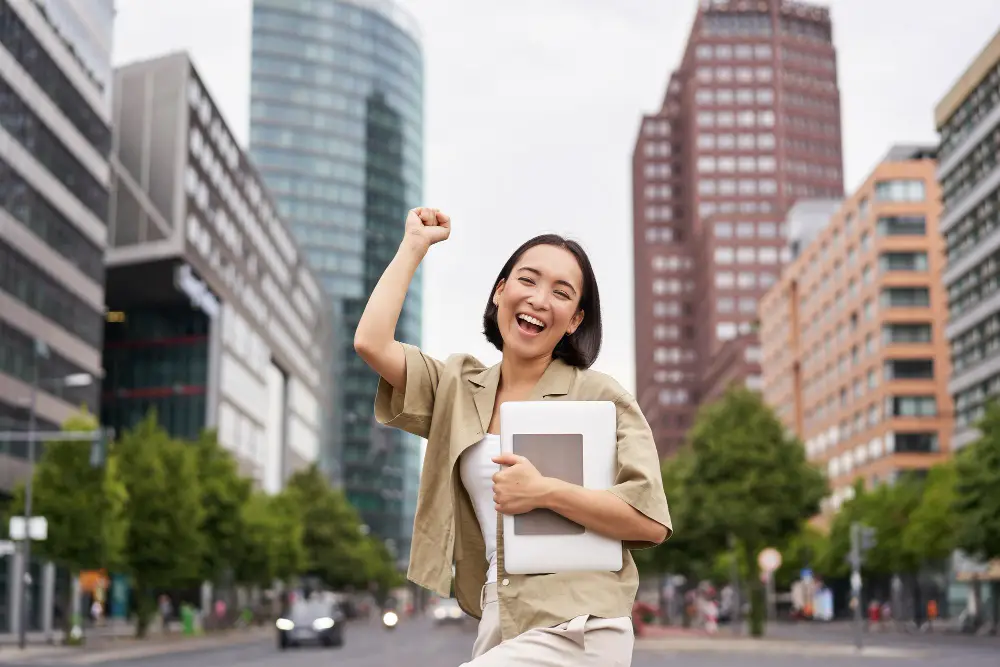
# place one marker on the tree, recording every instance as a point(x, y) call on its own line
point(83, 503)
point(685, 552)
point(749, 480)
point(271, 541)
point(224, 492)
point(931, 533)
point(335, 547)
point(805, 549)
point(977, 502)
point(163, 542)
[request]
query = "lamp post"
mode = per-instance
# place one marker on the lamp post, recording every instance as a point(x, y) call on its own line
point(74, 380)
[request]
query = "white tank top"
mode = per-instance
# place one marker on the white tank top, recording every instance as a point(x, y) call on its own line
point(477, 469)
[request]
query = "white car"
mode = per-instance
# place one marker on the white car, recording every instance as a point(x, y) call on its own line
point(447, 611)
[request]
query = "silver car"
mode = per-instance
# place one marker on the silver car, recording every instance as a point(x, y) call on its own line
point(447, 611)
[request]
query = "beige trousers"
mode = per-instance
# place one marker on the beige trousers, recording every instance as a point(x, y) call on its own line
point(585, 641)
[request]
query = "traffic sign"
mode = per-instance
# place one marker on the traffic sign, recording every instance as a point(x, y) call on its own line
point(7, 548)
point(769, 560)
point(37, 528)
point(856, 581)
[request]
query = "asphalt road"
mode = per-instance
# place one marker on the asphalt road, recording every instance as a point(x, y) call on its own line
point(418, 643)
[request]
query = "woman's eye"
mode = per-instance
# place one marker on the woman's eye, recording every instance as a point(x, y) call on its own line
point(563, 295)
point(527, 281)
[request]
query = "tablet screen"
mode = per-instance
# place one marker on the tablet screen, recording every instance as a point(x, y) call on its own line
point(558, 455)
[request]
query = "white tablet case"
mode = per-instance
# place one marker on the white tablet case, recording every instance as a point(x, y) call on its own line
point(575, 441)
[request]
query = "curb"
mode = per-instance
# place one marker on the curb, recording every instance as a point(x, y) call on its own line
point(82, 656)
point(774, 647)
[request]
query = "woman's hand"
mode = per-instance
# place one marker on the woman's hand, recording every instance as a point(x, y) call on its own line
point(518, 488)
point(427, 226)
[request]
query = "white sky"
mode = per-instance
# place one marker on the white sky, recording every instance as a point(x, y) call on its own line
point(532, 108)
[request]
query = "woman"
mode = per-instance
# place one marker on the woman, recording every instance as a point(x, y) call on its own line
point(544, 315)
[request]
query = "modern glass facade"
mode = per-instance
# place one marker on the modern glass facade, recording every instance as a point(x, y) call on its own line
point(337, 133)
point(55, 137)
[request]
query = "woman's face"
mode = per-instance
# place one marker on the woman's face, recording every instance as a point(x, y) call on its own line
point(539, 303)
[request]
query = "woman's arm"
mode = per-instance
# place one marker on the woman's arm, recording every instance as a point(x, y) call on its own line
point(521, 488)
point(375, 338)
point(602, 512)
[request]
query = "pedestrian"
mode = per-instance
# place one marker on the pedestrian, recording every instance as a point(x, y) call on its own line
point(543, 313)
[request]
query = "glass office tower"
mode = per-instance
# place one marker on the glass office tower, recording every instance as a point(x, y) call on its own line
point(337, 133)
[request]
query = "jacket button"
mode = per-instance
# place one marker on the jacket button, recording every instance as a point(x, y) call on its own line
point(505, 582)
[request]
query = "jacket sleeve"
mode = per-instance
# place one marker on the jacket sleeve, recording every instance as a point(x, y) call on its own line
point(410, 410)
point(639, 481)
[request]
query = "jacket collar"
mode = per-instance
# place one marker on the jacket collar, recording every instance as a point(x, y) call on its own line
point(555, 381)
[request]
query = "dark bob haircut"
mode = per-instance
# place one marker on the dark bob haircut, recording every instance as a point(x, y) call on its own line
point(582, 347)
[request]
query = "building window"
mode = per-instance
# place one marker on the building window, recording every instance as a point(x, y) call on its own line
point(724, 255)
point(724, 96)
point(909, 190)
point(902, 261)
point(706, 141)
point(906, 332)
point(909, 369)
point(915, 443)
point(724, 230)
point(911, 406)
point(724, 279)
point(905, 297)
point(765, 141)
point(725, 330)
point(704, 52)
point(912, 225)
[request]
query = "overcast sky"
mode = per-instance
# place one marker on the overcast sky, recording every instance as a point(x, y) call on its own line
point(532, 108)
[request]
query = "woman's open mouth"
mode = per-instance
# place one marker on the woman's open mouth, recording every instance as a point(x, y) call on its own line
point(529, 325)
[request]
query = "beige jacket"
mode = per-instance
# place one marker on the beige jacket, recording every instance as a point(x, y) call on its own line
point(451, 405)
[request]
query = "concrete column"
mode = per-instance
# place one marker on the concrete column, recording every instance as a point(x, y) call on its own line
point(75, 610)
point(15, 577)
point(206, 598)
point(48, 599)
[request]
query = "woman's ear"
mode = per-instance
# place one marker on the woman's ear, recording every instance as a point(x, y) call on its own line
point(575, 323)
point(497, 292)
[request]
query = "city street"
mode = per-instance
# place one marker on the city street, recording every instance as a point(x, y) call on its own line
point(418, 643)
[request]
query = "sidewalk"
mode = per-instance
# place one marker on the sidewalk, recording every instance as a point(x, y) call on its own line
point(126, 648)
point(731, 644)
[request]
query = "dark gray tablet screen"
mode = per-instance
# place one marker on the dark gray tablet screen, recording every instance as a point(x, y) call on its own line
point(557, 455)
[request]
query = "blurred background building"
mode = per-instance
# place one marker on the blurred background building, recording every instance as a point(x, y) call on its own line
point(55, 75)
point(214, 318)
point(854, 355)
point(337, 132)
point(968, 120)
point(750, 123)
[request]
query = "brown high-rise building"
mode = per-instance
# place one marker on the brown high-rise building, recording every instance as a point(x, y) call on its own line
point(750, 122)
point(854, 352)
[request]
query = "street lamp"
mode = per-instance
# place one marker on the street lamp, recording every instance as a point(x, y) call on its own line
point(74, 380)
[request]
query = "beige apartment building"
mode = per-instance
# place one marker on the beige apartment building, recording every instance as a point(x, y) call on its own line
point(853, 350)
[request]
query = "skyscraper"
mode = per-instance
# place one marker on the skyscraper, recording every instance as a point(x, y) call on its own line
point(55, 76)
point(337, 133)
point(968, 120)
point(749, 123)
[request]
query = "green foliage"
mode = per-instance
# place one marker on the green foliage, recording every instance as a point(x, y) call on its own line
point(680, 554)
point(224, 493)
point(164, 545)
point(84, 505)
point(977, 500)
point(931, 533)
point(336, 550)
point(806, 548)
point(271, 542)
point(748, 479)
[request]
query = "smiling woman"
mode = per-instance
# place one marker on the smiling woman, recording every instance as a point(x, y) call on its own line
point(544, 315)
point(548, 283)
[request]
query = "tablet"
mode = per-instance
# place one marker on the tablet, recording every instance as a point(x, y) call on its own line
point(575, 441)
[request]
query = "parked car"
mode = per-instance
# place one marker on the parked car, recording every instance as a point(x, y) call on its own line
point(316, 621)
point(447, 611)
